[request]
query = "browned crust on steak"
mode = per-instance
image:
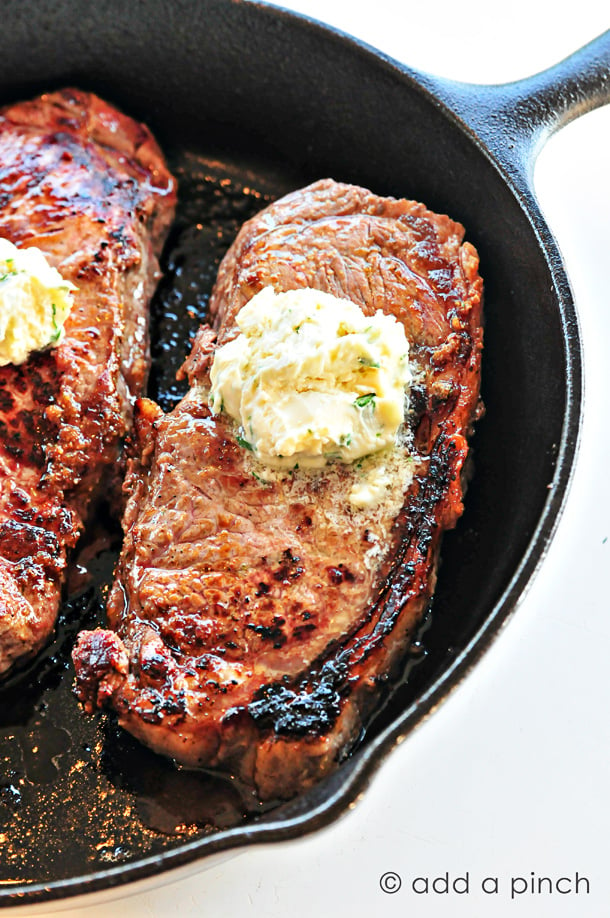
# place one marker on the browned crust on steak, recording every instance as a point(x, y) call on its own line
point(89, 187)
point(250, 625)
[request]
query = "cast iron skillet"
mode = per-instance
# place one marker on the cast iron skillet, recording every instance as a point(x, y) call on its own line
point(250, 101)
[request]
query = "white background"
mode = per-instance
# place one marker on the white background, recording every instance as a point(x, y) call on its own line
point(511, 775)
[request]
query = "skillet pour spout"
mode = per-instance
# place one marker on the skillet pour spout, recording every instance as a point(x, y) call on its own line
point(334, 107)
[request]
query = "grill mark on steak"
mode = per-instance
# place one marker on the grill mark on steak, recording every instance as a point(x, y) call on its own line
point(89, 187)
point(251, 622)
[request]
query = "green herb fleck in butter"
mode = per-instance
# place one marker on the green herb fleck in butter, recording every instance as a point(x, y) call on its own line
point(34, 302)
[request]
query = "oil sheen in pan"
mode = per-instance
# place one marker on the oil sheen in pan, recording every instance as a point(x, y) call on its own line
point(58, 767)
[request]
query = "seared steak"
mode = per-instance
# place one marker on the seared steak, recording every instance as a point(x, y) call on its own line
point(251, 621)
point(89, 187)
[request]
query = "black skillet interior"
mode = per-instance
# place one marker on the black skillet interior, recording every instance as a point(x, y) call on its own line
point(249, 103)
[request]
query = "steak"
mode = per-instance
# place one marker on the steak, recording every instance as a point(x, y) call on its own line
point(252, 622)
point(89, 187)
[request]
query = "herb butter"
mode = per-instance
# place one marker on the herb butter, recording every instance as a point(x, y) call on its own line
point(311, 379)
point(34, 302)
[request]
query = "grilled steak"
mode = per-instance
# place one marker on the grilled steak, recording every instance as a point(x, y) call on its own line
point(251, 621)
point(89, 187)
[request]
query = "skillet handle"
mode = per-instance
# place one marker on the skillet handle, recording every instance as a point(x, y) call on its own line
point(514, 120)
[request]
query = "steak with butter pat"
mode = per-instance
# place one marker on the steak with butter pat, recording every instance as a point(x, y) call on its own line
point(89, 187)
point(254, 615)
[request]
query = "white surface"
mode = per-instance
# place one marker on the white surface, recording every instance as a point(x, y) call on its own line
point(510, 775)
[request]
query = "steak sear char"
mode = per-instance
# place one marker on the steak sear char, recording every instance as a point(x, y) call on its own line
point(252, 620)
point(89, 187)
